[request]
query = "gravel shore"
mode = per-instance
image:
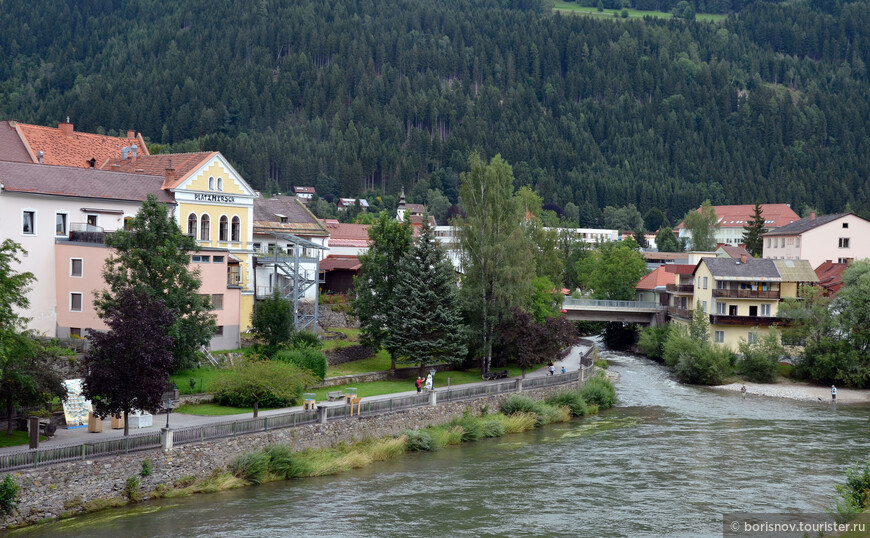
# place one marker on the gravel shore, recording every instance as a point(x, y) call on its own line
point(798, 391)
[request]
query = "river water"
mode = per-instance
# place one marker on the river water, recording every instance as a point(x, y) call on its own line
point(668, 460)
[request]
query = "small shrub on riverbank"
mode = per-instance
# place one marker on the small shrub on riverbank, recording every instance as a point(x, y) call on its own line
point(652, 341)
point(852, 496)
point(573, 400)
point(419, 441)
point(251, 467)
point(760, 358)
point(520, 404)
point(520, 422)
point(492, 426)
point(443, 436)
point(472, 429)
point(600, 391)
point(9, 490)
point(551, 414)
point(283, 463)
point(131, 489)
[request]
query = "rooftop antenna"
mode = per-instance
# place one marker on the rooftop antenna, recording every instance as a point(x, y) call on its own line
point(67, 119)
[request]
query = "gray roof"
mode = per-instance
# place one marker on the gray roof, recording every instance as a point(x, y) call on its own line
point(806, 223)
point(272, 209)
point(80, 182)
point(755, 269)
point(796, 271)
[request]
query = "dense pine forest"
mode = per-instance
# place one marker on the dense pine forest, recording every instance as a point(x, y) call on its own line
point(773, 104)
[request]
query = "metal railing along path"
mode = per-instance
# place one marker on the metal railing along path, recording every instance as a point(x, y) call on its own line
point(235, 428)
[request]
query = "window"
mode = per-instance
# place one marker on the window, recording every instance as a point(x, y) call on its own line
point(75, 302)
point(75, 332)
point(204, 223)
point(202, 259)
point(75, 267)
point(60, 224)
point(752, 337)
point(776, 242)
point(845, 225)
point(217, 301)
point(211, 183)
point(92, 223)
point(721, 285)
point(220, 184)
point(705, 283)
point(844, 260)
point(722, 308)
point(720, 337)
point(256, 247)
point(223, 228)
point(191, 225)
point(217, 259)
point(765, 310)
point(704, 306)
point(29, 225)
point(128, 223)
point(768, 242)
point(219, 331)
point(844, 242)
point(236, 230)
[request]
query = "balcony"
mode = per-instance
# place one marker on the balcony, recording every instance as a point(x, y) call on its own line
point(746, 294)
point(677, 312)
point(747, 321)
point(683, 289)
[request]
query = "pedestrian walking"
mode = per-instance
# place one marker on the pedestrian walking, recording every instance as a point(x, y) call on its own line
point(563, 369)
point(833, 393)
point(419, 384)
point(743, 391)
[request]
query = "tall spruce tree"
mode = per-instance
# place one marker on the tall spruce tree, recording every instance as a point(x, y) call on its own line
point(153, 256)
point(425, 322)
point(390, 241)
point(753, 232)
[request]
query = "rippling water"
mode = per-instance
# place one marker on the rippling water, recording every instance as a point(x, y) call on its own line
point(669, 460)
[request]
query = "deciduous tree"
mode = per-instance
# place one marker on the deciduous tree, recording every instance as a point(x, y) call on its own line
point(702, 224)
point(613, 271)
point(272, 320)
point(666, 241)
point(153, 257)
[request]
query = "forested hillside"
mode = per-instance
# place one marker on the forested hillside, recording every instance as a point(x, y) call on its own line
point(355, 95)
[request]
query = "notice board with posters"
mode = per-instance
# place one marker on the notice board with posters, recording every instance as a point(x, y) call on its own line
point(76, 408)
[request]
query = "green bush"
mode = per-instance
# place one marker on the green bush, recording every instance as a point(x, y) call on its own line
point(9, 490)
point(283, 463)
point(305, 339)
point(852, 497)
point(710, 367)
point(549, 414)
point(307, 357)
point(652, 341)
point(251, 467)
point(131, 489)
point(760, 359)
point(272, 383)
point(146, 468)
point(520, 404)
point(573, 400)
point(419, 441)
point(492, 427)
point(472, 428)
point(784, 369)
point(600, 391)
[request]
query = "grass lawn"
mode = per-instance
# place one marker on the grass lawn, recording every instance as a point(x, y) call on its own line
point(211, 410)
point(352, 339)
point(17, 438)
point(561, 5)
point(203, 375)
point(381, 361)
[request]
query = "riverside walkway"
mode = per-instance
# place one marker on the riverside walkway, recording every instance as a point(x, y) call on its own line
point(63, 436)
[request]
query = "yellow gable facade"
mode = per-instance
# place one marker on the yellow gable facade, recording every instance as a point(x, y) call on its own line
point(216, 207)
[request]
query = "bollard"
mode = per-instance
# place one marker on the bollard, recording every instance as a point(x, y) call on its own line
point(321, 414)
point(33, 423)
point(433, 397)
point(166, 439)
point(519, 384)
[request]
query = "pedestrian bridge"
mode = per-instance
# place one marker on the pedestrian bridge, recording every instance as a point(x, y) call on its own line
point(642, 312)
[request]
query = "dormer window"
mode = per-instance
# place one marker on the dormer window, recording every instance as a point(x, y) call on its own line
point(220, 184)
point(210, 183)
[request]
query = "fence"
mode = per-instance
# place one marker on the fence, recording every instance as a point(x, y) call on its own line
point(220, 430)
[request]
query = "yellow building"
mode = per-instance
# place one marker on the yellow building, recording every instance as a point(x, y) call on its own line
point(215, 206)
point(740, 296)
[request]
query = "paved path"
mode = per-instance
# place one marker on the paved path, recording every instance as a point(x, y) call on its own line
point(64, 436)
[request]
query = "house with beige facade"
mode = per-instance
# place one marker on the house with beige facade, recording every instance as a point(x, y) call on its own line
point(840, 237)
point(739, 296)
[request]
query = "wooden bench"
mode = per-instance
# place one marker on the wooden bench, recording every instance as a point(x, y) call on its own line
point(489, 376)
point(334, 395)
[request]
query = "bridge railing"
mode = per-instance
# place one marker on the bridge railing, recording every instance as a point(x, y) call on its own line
point(598, 303)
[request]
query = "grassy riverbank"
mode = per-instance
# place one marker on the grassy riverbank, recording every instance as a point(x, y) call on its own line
point(516, 414)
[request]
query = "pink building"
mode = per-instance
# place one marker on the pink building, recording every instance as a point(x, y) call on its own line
point(841, 237)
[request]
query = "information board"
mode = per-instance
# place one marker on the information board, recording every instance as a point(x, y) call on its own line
point(76, 407)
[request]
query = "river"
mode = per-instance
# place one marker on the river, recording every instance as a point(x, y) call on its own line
point(668, 460)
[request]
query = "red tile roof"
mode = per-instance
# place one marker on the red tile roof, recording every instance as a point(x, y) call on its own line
point(658, 278)
point(735, 251)
point(12, 148)
point(345, 263)
point(304, 190)
point(156, 165)
point(831, 276)
point(80, 182)
point(736, 216)
point(63, 146)
point(347, 235)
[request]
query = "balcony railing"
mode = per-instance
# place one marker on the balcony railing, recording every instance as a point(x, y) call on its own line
point(746, 294)
point(751, 321)
point(687, 289)
point(678, 312)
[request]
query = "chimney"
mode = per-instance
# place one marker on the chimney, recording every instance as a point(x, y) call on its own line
point(133, 149)
point(168, 175)
point(131, 134)
point(812, 215)
point(67, 128)
point(39, 155)
point(743, 258)
point(124, 152)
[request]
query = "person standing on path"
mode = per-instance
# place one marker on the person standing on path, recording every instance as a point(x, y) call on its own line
point(429, 382)
point(563, 369)
point(419, 384)
point(743, 391)
point(833, 393)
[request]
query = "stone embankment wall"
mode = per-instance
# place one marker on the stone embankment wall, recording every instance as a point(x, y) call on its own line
point(48, 492)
